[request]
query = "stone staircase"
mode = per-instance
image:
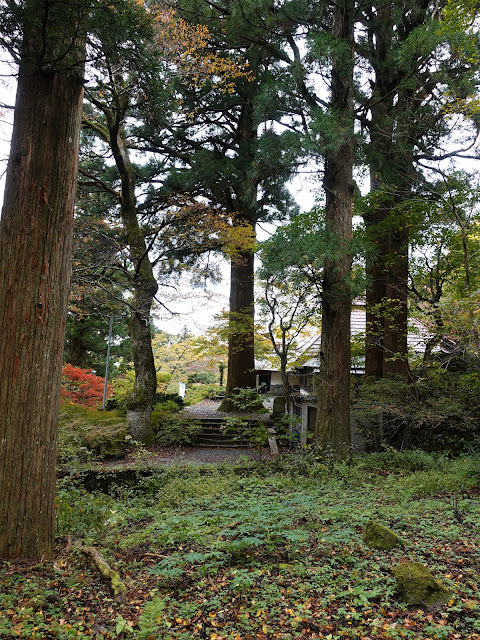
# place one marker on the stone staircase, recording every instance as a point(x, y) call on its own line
point(212, 435)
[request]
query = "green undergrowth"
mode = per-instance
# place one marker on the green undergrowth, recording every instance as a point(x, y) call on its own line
point(87, 434)
point(259, 551)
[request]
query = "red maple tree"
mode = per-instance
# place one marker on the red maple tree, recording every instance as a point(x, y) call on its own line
point(81, 386)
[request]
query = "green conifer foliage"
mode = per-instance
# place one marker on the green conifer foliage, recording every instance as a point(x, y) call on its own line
point(232, 153)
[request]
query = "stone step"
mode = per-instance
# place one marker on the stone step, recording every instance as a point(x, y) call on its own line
point(222, 437)
point(228, 444)
point(216, 445)
point(214, 431)
point(213, 426)
point(212, 435)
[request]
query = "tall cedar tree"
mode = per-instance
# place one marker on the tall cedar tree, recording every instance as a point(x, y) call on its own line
point(332, 428)
point(35, 264)
point(233, 156)
point(48, 40)
point(328, 135)
point(405, 44)
point(394, 101)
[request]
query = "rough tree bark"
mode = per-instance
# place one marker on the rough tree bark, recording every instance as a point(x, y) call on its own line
point(395, 348)
point(241, 356)
point(332, 429)
point(36, 232)
point(381, 152)
point(386, 352)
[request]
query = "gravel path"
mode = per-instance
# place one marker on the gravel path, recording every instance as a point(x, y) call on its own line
point(189, 456)
point(208, 455)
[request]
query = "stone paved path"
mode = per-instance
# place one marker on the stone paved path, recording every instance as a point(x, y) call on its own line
point(209, 409)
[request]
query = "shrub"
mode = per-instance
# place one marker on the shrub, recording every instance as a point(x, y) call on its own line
point(308, 462)
point(437, 413)
point(202, 377)
point(80, 513)
point(81, 386)
point(174, 397)
point(449, 476)
point(162, 412)
point(198, 392)
point(178, 430)
point(248, 401)
point(400, 461)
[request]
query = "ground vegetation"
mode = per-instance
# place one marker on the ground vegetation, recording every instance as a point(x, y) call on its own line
point(257, 551)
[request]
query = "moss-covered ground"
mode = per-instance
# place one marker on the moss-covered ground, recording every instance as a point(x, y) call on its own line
point(267, 550)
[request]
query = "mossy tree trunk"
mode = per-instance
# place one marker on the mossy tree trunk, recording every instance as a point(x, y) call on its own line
point(145, 286)
point(241, 356)
point(36, 238)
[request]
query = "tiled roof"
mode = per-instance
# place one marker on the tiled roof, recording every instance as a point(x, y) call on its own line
point(307, 353)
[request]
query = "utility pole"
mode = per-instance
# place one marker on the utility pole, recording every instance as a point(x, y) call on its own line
point(108, 362)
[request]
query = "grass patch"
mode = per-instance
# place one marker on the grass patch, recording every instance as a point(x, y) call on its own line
point(226, 554)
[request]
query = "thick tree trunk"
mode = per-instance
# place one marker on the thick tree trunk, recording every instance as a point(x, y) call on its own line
point(139, 407)
point(36, 232)
point(381, 163)
point(386, 351)
point(145, 286)
point(332, 429)
point(393, 131)
point(241, 356)
point(395, 349)
point(375, 297)
point(76, 345)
